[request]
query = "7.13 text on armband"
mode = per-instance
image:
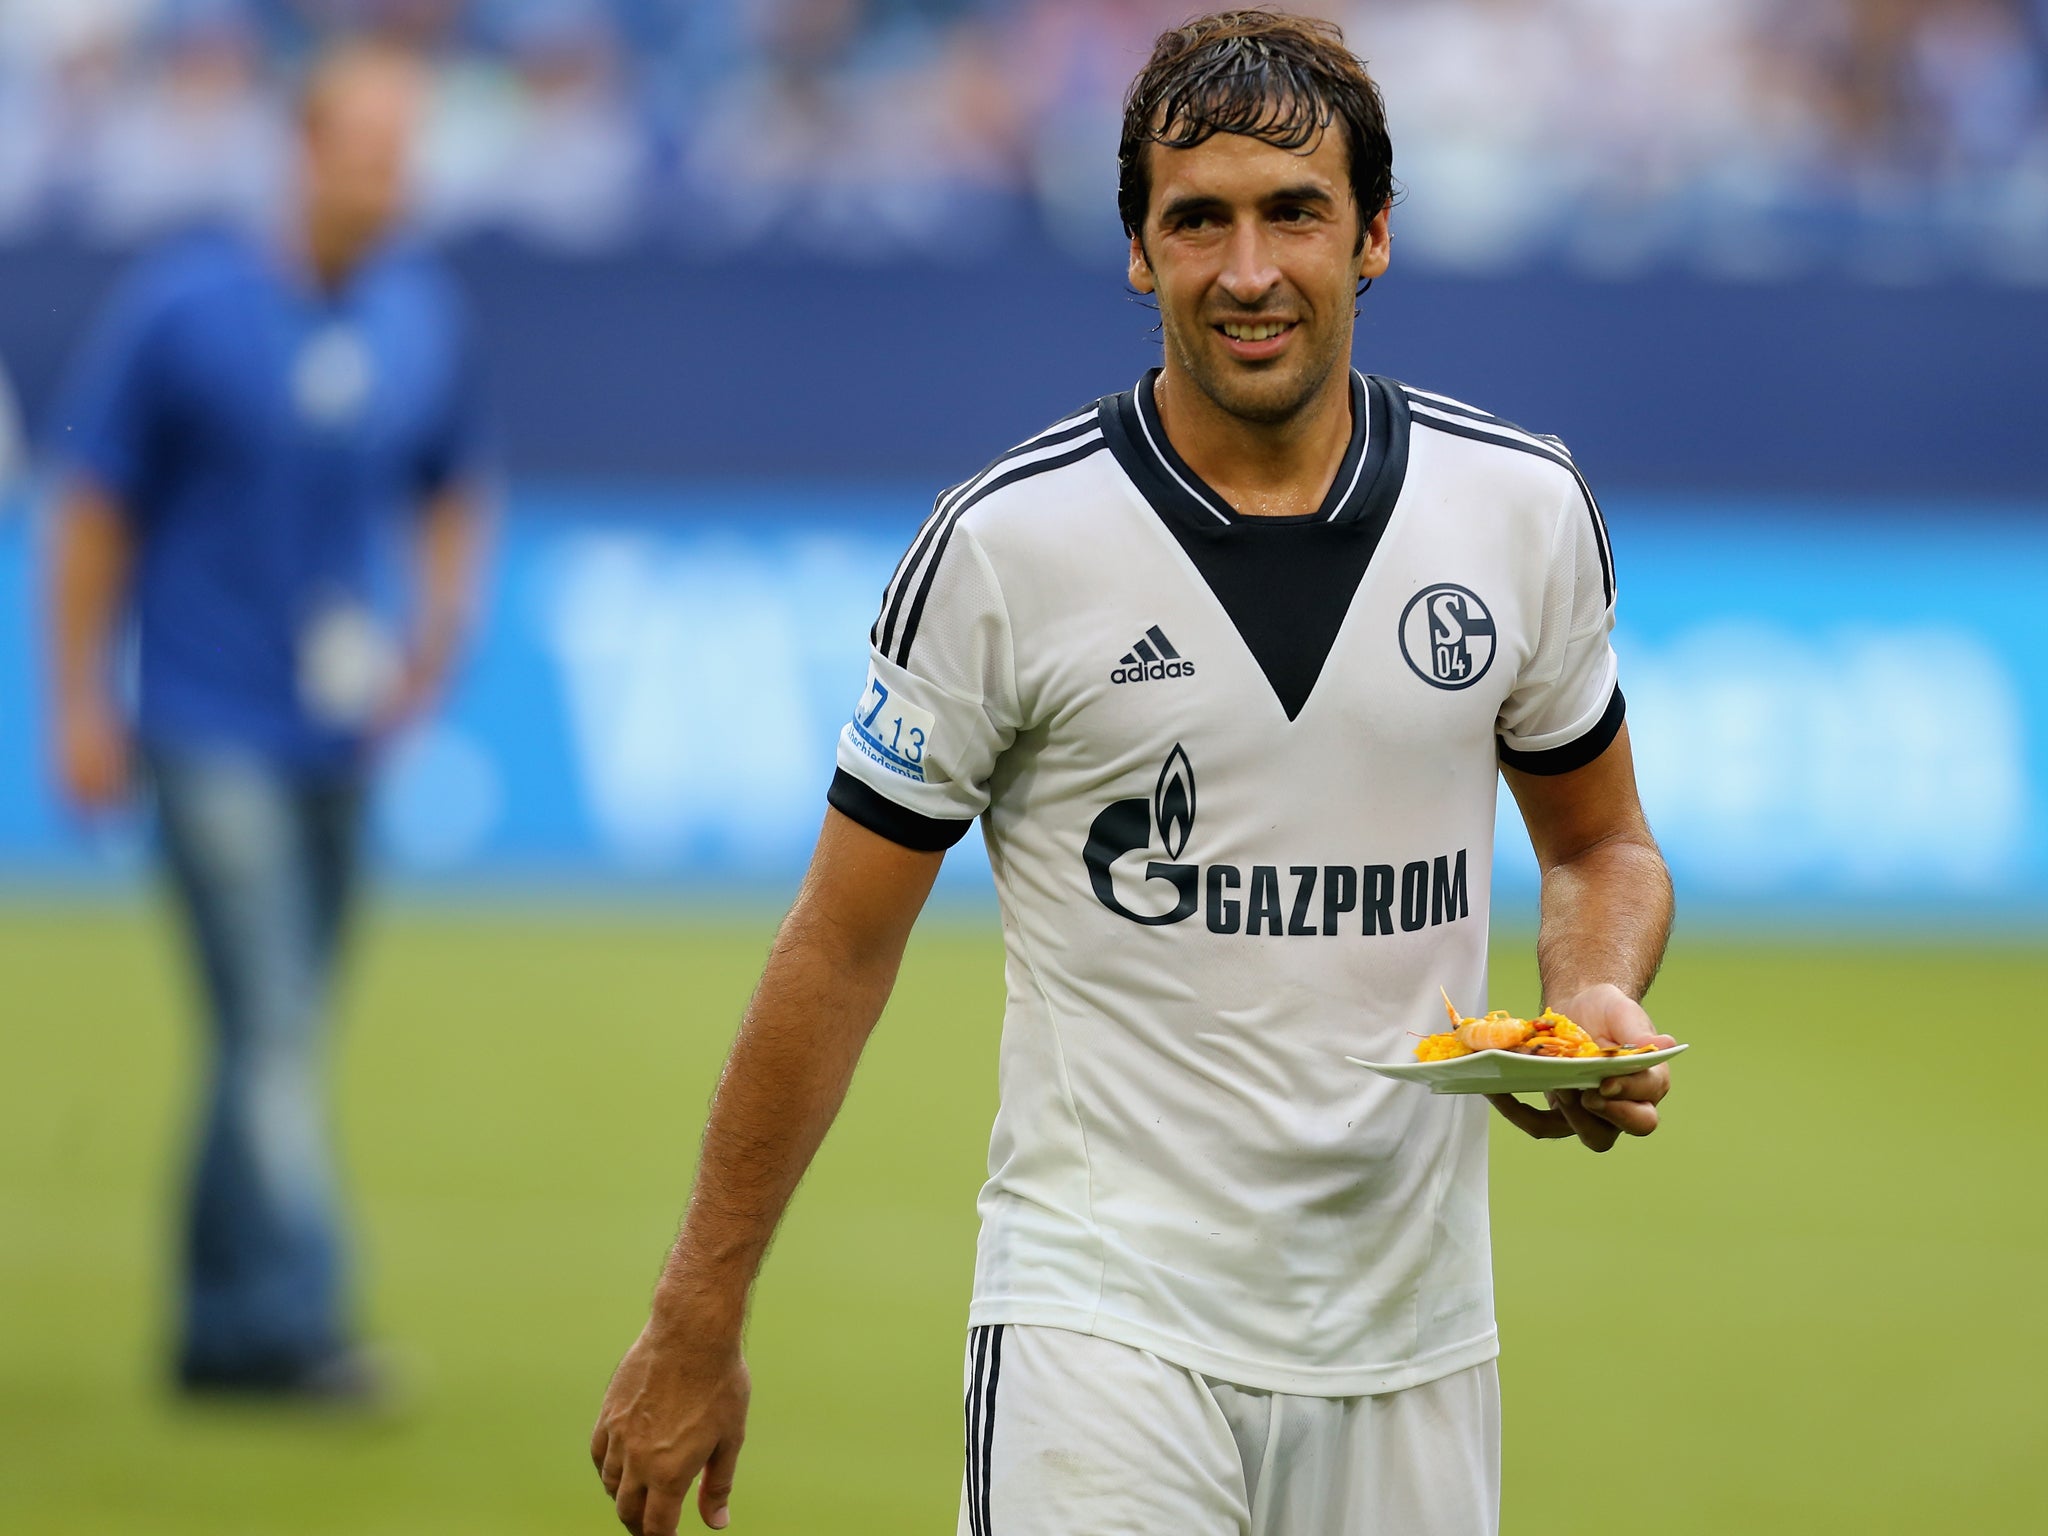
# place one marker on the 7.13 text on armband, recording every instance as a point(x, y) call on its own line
point(892, 731)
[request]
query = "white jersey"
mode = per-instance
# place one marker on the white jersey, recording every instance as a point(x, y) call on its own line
point(1237, 780)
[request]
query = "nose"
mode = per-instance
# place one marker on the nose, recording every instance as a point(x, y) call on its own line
point(1248, 272)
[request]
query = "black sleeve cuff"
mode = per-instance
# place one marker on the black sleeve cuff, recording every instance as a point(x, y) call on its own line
point(1573, 754)
point(885, 818)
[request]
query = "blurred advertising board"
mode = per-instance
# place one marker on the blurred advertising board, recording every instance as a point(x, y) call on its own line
point(1837, 710)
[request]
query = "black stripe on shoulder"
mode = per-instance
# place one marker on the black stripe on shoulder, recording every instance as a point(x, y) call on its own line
point(1573, 754)
point(884, 627)
point(962, 507)
point(1483, 430)
point(885, 818)
point(1068, 433)
point(1478, 433)
point(1417, 397)
point(883, 633)
point(1472, 413)
point(1457, 408)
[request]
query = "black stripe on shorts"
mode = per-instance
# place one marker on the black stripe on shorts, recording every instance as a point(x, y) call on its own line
point(986, 1346)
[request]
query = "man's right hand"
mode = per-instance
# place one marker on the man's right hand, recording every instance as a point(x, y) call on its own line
point(92, 754)
point(676, 1407)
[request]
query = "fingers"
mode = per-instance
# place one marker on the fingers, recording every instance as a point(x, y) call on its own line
point(1543, 1124)
point(632, 1502)
point(1598, 1117)
point(1596, 1132)
point(1646, 1087)
point(600, 1441)
point(655, 1509)
point(1625, 1115)
point(613, 1468)
point(714, 1493)
point(1629, 1103)
point(1631, 1118)
point(648, 1508)
point(663, 1512)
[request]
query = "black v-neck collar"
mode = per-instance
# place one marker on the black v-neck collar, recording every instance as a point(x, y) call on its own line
point(1172, 486)
point(1286, 583)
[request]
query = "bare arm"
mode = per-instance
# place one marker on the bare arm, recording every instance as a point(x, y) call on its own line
point(92, 555)
point(677, 1405)
point(1606, 916)
point(1606, 894)
point(448, 549)
point(831, 970)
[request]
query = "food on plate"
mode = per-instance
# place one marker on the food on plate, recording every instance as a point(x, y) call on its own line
point(1550, 1033)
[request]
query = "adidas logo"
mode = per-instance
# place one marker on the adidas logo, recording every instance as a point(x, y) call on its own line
point(1150, 660)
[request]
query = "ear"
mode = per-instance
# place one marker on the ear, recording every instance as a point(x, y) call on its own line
point(1141, 269)
point(1378, 249)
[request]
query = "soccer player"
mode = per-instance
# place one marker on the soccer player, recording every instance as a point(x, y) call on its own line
point(257, 426)
point(1226, 665)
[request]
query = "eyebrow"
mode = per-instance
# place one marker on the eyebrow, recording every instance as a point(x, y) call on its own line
point(1202, 202)
point(1302, 192)
point(1194, 202)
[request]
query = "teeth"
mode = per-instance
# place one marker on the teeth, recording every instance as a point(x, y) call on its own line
point(1263, 332)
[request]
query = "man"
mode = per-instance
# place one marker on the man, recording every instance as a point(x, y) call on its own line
point(1226, 665)
point(257, 428)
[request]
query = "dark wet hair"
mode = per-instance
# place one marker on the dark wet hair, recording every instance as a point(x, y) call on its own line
point(1276, 78)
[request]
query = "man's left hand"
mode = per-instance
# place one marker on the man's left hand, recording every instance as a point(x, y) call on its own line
point(1626, 1104)
point(413, 696)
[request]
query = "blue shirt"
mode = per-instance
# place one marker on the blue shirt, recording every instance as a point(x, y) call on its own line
point(270, 443)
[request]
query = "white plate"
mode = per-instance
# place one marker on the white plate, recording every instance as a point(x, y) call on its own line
point(1510, 1072)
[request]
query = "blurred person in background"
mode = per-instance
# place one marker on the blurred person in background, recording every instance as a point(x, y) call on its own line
point(259, 433)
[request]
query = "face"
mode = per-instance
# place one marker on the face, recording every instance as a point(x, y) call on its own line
point(359, 125)
point(1253, 252)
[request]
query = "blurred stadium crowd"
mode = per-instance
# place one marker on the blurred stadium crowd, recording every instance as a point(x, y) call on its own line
point(1895, 139)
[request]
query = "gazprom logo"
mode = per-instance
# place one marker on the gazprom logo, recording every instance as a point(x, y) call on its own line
point(1447, 636)
point(1126, 826)
point(1295, 900)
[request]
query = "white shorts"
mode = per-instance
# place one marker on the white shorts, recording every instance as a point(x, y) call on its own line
point(1070, 1435)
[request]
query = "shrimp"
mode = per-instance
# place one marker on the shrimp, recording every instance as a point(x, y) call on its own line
point(1498, 1031)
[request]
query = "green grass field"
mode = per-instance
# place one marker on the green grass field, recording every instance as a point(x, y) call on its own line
point(1812, 1304)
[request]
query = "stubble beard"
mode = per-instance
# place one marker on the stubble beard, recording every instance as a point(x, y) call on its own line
point(1260, 396)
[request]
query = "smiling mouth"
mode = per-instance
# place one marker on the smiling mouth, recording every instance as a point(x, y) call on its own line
point(1259, 330)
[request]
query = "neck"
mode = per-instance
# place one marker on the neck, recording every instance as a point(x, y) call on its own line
point(332, 250)
point(1263, 469)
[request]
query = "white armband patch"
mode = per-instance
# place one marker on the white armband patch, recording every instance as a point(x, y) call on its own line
point(892, 730)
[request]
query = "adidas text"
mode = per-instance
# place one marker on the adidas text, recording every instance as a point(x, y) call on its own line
point(1152, 672)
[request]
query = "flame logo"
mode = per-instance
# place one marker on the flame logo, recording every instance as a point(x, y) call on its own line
point(1125, 827)
point(1173, 802)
